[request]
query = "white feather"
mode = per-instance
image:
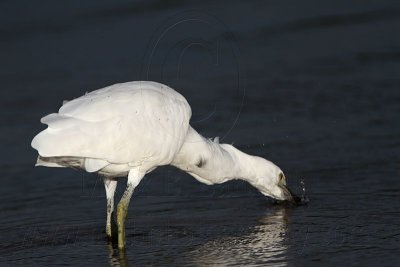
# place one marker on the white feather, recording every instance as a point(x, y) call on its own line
point(130, 129)
point(142, 125)
point(94, 165)
point(115, 122)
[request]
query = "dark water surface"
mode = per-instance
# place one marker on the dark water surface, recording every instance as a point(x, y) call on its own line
point(310, 85)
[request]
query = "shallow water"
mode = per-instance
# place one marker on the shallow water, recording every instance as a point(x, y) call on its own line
point(312, 86)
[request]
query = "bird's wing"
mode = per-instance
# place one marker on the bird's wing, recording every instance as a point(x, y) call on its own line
point(123, 123)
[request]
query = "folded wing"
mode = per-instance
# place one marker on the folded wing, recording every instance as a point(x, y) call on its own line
point(123, 123)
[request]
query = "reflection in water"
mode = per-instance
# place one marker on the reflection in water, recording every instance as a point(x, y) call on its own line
point(263, 243)
point(260, 242)
point(116, 257)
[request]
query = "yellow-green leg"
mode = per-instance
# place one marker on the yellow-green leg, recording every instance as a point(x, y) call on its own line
point(134, 177)
point(122, 211)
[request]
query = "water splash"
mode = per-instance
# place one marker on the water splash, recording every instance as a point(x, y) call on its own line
point(304, 198)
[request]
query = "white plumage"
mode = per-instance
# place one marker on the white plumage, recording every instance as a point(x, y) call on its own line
point(112, 125)
point(132, 128)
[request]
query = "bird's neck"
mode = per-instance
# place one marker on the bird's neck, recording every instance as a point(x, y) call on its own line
point(214, 163)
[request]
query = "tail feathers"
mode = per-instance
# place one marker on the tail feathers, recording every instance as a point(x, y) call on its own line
point(59, 162)
point(41, 161)
point(59, 121)
point(90, 165)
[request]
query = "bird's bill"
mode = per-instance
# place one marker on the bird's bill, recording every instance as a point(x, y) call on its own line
point(289, 195)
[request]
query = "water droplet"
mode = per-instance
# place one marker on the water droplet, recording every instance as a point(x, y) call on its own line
point(304, 198)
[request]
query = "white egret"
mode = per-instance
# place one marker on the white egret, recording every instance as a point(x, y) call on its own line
point(129, 129)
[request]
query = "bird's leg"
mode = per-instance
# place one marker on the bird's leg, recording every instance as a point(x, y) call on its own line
point(122, 211)
point(134, 178)
point(110, 186)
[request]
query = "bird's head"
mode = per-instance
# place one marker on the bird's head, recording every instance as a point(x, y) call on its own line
point(271, 181)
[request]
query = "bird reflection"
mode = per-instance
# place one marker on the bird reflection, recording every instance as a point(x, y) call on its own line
point(116, 257)
point(262, 243)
